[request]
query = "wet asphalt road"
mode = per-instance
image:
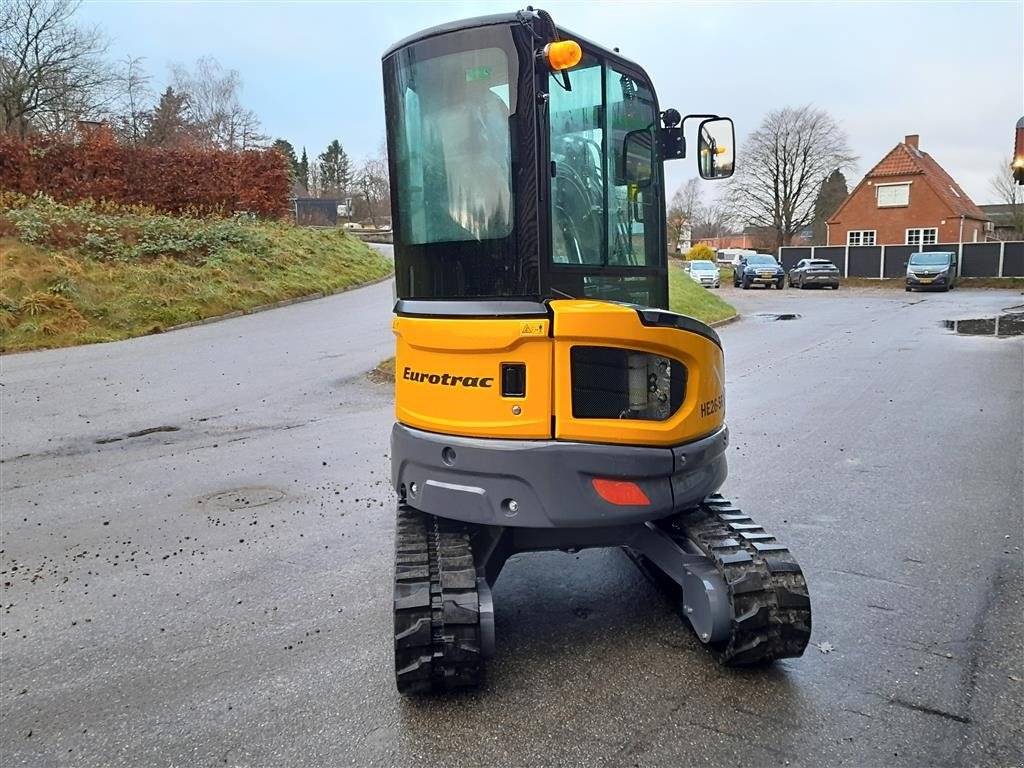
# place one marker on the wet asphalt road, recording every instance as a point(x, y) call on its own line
point(217, 592)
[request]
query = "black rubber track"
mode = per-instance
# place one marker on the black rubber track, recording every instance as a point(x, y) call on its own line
point(436, 606)
point(770, 603)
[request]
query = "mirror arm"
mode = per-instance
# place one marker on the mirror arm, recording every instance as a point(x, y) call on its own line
point(672, 143)
point(670, 137)
point(705, 117)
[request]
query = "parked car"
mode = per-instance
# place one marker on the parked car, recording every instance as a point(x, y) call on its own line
point(704, 272)
point(932, 269)
point(809, 272)
point(758, 269)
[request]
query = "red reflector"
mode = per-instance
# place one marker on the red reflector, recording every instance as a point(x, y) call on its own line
point(621, 492)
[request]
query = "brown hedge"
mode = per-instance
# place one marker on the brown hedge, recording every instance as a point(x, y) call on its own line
point(186, 180)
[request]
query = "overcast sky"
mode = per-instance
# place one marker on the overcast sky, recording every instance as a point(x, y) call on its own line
point(951, 72)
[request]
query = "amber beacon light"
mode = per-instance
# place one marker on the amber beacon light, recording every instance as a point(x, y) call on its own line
point(564, 54)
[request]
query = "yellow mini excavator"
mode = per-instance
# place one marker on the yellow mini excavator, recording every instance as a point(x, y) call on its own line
point(545, 396)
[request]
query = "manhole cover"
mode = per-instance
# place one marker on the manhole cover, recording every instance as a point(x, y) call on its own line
point(243, 498)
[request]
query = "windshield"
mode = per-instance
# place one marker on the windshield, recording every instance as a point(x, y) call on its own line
point(702, 265)
point(929, 259)
point(454, 147)
point(761, 259)
point(822, 265)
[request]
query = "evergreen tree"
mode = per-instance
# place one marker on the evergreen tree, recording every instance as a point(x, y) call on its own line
point(302, 171)
point(285, 148)
point(833, 193)
point(335, 169)
point(167, 125)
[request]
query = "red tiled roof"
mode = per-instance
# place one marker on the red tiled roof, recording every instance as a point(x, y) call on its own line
point(897, 163)
point(905, 160)
point(949, 190)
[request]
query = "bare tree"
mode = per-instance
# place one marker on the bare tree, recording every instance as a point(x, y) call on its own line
point(1011, 194)
point(713, 220)
point(130, 115)
point(314, 179)
point(371, 179)
point(682, 213)
point(212, 95)
point(52, 73)
point(781, 171)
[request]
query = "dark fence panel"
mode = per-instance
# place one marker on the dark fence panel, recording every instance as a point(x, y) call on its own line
point(316, 212)
point(789, 256)
point(1013, 259)
point(896, 257)
point(980, 260)
point(865, 260)
point(954, 247)
point(976, 259)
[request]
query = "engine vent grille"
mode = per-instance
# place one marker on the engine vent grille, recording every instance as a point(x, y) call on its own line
point(612, 383)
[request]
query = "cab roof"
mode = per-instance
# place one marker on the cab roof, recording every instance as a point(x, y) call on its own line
point(507, 19)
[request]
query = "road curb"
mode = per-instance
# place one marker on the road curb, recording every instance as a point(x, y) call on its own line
point(726, 321)
point(273, 305)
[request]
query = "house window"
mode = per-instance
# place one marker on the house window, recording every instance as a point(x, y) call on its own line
point(860, 237)
point(925, 236)
point(892, 195)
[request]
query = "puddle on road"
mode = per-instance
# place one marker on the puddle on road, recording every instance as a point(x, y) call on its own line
point(772, 317)
point(1006, 324)
point(243, 498)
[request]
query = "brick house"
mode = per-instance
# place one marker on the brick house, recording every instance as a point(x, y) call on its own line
point(907, 199)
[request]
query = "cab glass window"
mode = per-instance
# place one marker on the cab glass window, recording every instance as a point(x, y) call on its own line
point(578, 229)
point(598, 216)
point(454, 147)
point(633, 211)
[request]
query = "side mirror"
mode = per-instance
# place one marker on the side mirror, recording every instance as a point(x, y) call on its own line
point(638, 158)
point(716, 145)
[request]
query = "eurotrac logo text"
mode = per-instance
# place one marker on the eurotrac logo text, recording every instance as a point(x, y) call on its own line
point(447, 379)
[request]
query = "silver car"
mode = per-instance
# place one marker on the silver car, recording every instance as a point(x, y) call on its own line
point(814, 272)
point(704, 272)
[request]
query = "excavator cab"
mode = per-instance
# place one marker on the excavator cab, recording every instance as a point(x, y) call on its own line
point(546, 398)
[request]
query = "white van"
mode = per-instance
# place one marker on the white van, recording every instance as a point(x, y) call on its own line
point(732, 255)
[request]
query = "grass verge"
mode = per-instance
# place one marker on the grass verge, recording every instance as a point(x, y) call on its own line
point(688, 298)
point(82, 274)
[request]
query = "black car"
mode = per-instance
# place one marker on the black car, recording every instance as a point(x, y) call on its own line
point(758, 269)
point(809, 272)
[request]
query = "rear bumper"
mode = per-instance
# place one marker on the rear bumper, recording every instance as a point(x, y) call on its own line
point(819, 280)
point(547, 483)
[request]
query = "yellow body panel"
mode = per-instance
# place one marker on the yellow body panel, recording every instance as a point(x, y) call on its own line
point(448, 375)
point(597, 323)
point(472, 349)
